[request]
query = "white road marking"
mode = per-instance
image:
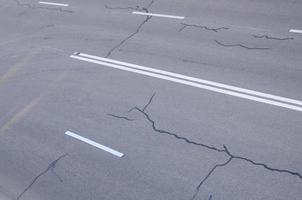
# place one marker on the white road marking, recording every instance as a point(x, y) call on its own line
point(52, 3)
point(295, 31)
point(191, 81)
point(158, 15)
point(97, 145)
point(212, 83)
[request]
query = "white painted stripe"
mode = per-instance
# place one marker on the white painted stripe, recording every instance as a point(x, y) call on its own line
point(295, 31)
point(212, 83)
point(185, 82)
point(97, 145)
point(158, 15)
point(52, 3)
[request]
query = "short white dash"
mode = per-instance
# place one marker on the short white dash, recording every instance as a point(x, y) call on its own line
point(97, 145)
point(158, 15)
point(52, 3)
point(295, 31)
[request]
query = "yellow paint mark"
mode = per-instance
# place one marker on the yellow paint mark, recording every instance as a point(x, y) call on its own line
point(28, 107)
point(19, 115)
point(15, 68)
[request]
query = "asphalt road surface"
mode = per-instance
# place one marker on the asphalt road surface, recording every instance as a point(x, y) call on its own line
point(151, 100)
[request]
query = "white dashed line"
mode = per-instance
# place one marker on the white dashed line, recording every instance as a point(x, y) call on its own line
point(194, 82)
point(295, 31)
point(52, 3)
point(158, 15)
point(97, 145)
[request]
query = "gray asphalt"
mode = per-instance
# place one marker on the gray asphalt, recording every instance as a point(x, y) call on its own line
point(180, 142)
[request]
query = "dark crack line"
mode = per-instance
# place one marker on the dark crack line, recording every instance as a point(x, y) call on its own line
point(150, 4)
point(272, 38)
point(50, 167)
point(208, 175)
point(27, 5)
point(129, 37)
point(153, 125)
point(57, 175)
point(121, 117)
point(136, 31)
point(149, 102)
point(184, 26)
point(261, 164)
point(224, 150)
point(174, 134)
point(243, 46)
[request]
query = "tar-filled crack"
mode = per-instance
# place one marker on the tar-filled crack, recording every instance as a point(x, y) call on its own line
point(150, 4)
point(129, 37)
point(137, 29)
point(184, 26)
point(51, 167)
point(208, 175)
point(121, 117)
point(272, 38)
point(240, 45)
point(27, 5)
point(230, 156)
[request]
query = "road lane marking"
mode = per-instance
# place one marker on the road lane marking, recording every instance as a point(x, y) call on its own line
point(157, 15)
point(97, 145)
point(173, 77)
point(295, 31)
point(19, 115)
point(52, 3)
point(30, 106)
point(18, 66)
point(211, 83)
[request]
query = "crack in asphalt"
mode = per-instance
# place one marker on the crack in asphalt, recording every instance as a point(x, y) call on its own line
point(51, 168)
point(27, 5)
point(240, 45)
point(174, 134)
point(149, 102)
point(184, 26)
point(150, 4)
point(209, 147)
point(136, 31)
point(272, 38)
point(129, 37)
point(121, 117)
point(208, 175)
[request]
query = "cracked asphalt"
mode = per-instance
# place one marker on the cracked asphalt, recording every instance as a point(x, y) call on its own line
point(179, 142)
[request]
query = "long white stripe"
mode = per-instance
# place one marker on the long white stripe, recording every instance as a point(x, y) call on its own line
point(295, 31)
point(97, 145)
point(52, 3)
point(212, 83)
point(158, 15)
point(197, 85)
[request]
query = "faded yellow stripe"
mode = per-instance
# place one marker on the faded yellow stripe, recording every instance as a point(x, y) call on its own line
point(26, 109)
point(15, 68)
point(19, 115)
